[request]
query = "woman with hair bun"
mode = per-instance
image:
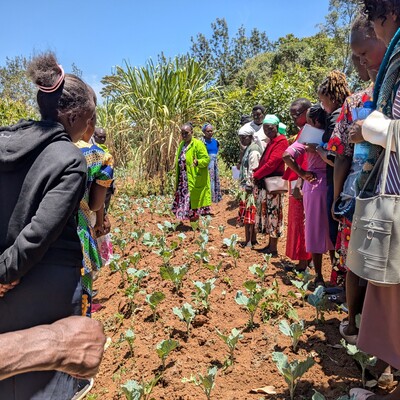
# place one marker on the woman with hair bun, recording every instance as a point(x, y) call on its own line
point(42, 179)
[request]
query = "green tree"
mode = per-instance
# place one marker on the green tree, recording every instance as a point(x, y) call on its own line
point(225, 55)
point(337, 26)
point(14, 83)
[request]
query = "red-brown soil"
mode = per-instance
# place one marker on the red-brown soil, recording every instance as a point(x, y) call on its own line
point(333, 374)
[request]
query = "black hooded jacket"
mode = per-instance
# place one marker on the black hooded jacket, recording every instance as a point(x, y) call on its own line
point(42, 180)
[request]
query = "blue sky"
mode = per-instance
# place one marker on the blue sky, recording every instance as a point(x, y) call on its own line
point(97, 35)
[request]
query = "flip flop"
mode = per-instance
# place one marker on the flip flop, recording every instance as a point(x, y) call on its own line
point(351, 339)
point(84, 388)
point(360, 394)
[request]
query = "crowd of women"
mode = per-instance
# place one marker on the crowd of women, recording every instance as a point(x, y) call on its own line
point(328, 164)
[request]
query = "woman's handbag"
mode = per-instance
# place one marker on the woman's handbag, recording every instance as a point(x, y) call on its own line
point(275, 185)
point(374, 248)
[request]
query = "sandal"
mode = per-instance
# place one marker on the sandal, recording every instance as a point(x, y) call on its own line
point(351, 339)
point(338, 298)
point(360, 394)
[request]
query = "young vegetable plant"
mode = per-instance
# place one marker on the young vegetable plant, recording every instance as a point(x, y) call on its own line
point(195, 226)
point(137, 234)
point(134, 390)
point(186, 314)
point(206, 382)
point(174, 274)
point(293, 371)
point(294, 331)
point(274, 305)
point(231, 341)
point(318, 300)
point(302, 284)
point(149, 239)
point(221, 229)
point(165, 252)
point(362, 358)
point(129, 337)
point(250, 303)
point(259, 271)
point(202, 292)
point(153, 300)
point(214, 268)
point(232, 251)
point(136, 275)
point(167, 227)
point(202, 254)
point(164, 348)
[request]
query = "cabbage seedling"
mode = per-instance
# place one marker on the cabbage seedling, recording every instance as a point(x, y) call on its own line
point(202, 292)
point(259, 271)
point(250, 303)
point(139, 391)
point(174, 274)
point(231, 341)
point(137, 274)
point(318, 300)
point(293, 371)
point(221, 229)
point(206, 382)
point(164, 348)
point(232, 251)
point(362, 358)
point(186, 314)
point(294, 331)
point(153, 300)
point(129, 337)
point(214, 268)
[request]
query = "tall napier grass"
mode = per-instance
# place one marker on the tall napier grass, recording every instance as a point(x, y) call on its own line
point(147, 105)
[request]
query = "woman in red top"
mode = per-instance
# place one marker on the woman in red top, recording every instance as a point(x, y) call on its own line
point(270, 206)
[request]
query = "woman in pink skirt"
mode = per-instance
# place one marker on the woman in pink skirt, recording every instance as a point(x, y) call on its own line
point(314, 194)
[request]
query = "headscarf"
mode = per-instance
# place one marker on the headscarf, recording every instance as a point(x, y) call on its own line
point(271, 119)
point(282, 128)
point(246, 130)
point(204, 127)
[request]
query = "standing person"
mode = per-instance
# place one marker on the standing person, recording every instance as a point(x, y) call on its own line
point(295, 237)
point(43, 177)
point(368, 52)
point(332, 93)
point(314, 193)
point(192, 180)
point(258, 114)
point(91, 211)
point(270, 206)
point(212, 146)
point(380, 320)
point(250, 161)
point(99, 138)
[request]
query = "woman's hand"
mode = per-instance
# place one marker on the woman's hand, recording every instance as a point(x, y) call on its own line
point(308, 176)
point(4, 288)
point(311, 147)
point(296, 193)
point(195, 162)
point(355, 132)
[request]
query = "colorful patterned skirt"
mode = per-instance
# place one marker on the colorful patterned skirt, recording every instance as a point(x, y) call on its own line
point(269, 218)
point(181, 205)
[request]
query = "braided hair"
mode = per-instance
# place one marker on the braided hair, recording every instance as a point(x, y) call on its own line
point(335, 87)
point(72, 94)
